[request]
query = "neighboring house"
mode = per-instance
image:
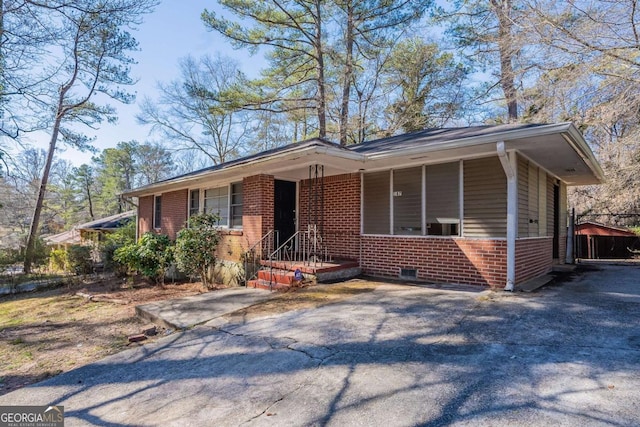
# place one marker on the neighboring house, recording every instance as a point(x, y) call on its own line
point(594, 240)
point(91, 232)
point(481, 205)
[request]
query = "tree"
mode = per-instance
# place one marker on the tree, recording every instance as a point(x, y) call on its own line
point(84, 179)
point(368, 26)
point(154, 163)
point(425, 86)
point(190, 111)
point(91, 42)
point(115, 172)
point(293, 31)
point(489, 33)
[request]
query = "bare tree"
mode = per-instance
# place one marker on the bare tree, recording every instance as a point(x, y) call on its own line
point(190, 114)
point(91, 42)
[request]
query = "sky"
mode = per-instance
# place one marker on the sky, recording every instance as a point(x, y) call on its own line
point(173, 31)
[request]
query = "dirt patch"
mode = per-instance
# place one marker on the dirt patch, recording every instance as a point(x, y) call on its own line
point(45, 333)
point(304, 298)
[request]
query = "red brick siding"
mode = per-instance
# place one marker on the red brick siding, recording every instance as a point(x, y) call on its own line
point(257, 218)
point(341, 228)
point(145, 214)
point(452, 260)
point(174, 212)
point(534, 257)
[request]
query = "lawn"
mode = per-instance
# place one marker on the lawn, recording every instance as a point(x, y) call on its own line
point(48, 332)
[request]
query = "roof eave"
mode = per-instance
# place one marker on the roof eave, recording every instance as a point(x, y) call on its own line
point(309, 149)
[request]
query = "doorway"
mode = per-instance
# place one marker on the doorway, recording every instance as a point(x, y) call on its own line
point(284, 209)
point(556, 222)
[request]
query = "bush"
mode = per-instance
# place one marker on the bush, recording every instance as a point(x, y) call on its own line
point(195, 250)
point(151, 256)
point(74, 259)
point(8, 257)
point(121, 237)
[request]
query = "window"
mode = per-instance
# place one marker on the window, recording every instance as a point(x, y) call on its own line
point(194, 202)
point(216, 201)
point(443, 199)
point(399, 198)
point(407, 201)
point(375, 202)
point(226, 202)
point(157, 211)
point(236, 205)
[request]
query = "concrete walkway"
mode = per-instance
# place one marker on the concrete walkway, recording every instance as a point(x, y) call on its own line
point(184, 313)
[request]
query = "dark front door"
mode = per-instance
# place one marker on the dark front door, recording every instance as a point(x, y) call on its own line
point(556, 222)
point(284, 205)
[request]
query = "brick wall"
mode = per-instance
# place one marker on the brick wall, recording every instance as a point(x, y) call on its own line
point(145, 214)
point(533, 258)
point(341, 228)
point(174, 212)
point(257, 218)
point(451, 260)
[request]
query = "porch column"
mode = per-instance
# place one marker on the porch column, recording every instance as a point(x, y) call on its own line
point(510, 166)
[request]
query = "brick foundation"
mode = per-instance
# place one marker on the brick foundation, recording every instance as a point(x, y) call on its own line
point(450, 260)
point(534, 257)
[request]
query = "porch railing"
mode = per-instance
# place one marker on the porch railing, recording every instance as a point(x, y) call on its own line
point(255, 254)
point(304, 247)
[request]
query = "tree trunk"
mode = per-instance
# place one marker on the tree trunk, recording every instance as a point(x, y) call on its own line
point(506, 45)
point(348, 75)
point(321, 98)
point(35, 222)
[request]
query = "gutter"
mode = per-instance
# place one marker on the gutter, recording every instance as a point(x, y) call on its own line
point(510, 169)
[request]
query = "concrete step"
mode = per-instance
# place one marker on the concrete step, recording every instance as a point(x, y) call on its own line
point(269, 286)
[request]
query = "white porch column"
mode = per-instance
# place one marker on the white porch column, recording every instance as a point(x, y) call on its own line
point(508, 161)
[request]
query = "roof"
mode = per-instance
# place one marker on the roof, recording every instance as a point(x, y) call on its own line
point(72, 237)
point(560, 149)
point(107, 223)
point(591, 228)
point(435, 136)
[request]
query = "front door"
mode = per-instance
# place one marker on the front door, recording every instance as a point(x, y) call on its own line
point(284, 205)
point(556, 222)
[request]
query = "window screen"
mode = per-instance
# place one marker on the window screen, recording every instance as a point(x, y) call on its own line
point(376, 203)
point(216, 201)
point(407, 201)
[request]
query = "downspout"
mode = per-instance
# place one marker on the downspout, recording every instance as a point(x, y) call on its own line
point(509, 166)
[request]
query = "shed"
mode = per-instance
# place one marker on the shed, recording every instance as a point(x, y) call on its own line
point(595, 240)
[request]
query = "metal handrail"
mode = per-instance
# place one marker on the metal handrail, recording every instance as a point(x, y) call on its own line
point(250, 255)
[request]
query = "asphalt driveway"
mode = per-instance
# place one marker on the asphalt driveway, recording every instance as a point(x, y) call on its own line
point(568, 354)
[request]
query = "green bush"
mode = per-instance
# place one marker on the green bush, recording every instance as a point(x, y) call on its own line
point(151, 256)
point(74, 259)
point(195, 250)
point(121, 237)
point(8, 257)
point(57, 259)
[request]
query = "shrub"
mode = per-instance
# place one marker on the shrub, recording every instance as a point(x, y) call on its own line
point(79, 259)
point(151, 256)
point(74, 259)
point(121, 237)
point(195, 250)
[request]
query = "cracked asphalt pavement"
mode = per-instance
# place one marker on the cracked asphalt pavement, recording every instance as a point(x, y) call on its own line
point(568, 354)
